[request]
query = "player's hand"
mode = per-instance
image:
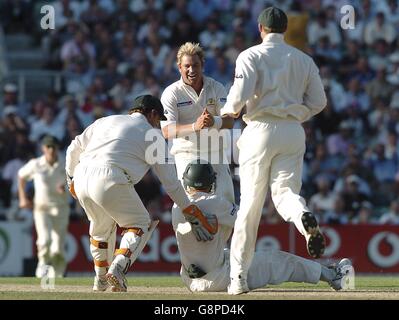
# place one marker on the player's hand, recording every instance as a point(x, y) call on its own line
point(193, 214)
point(205, 120)
point(201, 234)
point(209, 120)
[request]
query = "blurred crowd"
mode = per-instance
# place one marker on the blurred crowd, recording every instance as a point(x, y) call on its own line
point(110, 51)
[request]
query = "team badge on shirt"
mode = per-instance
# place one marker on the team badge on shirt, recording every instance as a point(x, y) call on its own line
point(185, 103)
point(211, 102)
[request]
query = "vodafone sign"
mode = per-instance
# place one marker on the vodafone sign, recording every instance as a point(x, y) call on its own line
point(377, 257)
point(373, 249)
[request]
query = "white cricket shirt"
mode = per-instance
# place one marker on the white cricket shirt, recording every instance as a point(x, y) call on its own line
point(274, 78)
point(120, 141)
point(183, 106)
point(46, 180)
point(210, 254)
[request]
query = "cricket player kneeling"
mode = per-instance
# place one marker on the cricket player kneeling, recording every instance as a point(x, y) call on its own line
point(206, 262)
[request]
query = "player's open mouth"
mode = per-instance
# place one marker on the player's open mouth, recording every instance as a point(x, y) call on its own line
point(192, 76)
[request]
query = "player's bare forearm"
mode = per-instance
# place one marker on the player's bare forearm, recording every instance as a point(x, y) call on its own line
point(172, 131)
point(24, 202)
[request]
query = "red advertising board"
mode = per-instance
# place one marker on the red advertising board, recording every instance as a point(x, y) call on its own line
point(371, 248)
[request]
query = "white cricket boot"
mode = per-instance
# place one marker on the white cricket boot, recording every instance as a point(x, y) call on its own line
point(341, 270)
point(116, 277)
point(100, 283)
point(237, 286)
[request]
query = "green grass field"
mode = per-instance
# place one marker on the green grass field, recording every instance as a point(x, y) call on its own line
point(171, 288)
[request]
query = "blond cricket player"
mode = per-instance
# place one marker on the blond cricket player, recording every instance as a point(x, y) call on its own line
point(206, 264)
point(281, 88)
point(103, 164)
point(50, 205)
point(192, 109)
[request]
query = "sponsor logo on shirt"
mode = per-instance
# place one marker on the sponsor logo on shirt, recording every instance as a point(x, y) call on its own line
point(239, 76)
point(165, 112)
point(185, 103)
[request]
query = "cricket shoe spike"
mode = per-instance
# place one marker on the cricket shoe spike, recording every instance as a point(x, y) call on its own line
point(341, 270)
point(237, 286)
point(116, 278)
point(315, 242)
point(100, 283)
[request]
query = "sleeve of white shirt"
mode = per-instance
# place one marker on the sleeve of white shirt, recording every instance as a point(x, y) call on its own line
point(227, 213)
point(221, 95)
point(314, 97)
point(28, 170)
point(166, 172)
point(167, 175)
point(77, 146)
point(169, 102)
point(243, 87)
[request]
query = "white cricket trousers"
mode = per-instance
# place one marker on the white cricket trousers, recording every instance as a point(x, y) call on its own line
point(108, 198)
point(267, 267)
point(224, 182)
point(271, 154)
point(51, 226)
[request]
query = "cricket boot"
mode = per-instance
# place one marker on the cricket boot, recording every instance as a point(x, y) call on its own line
point(315, 242)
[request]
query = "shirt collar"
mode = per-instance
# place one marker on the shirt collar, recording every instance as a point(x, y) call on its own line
point(274, 38)
point(42, 161)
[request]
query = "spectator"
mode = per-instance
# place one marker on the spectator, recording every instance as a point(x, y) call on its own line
point(324, 165)
point(213, 35)
point(323, 28)
point(353, 197)
point(323, 201)
point(298, 20)
point(94, 14)
point(337, 215)
point(379, 87)
point(78, 50)
point(338, 143)
point(355, 96)
point(379, 28)
point(157, 53)
point(383, 168)
point(365, 215)
point(379, 57)
point(69, 108)
point(47, 124)
point(391, 216)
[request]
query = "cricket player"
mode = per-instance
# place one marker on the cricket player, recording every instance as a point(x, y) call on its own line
point(281, 88)
point(206, 264)
point(192, 109)
point(50, 205)
point(103, 164)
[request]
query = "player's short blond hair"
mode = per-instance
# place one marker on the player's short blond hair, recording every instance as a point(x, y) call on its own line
point(190, 49)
